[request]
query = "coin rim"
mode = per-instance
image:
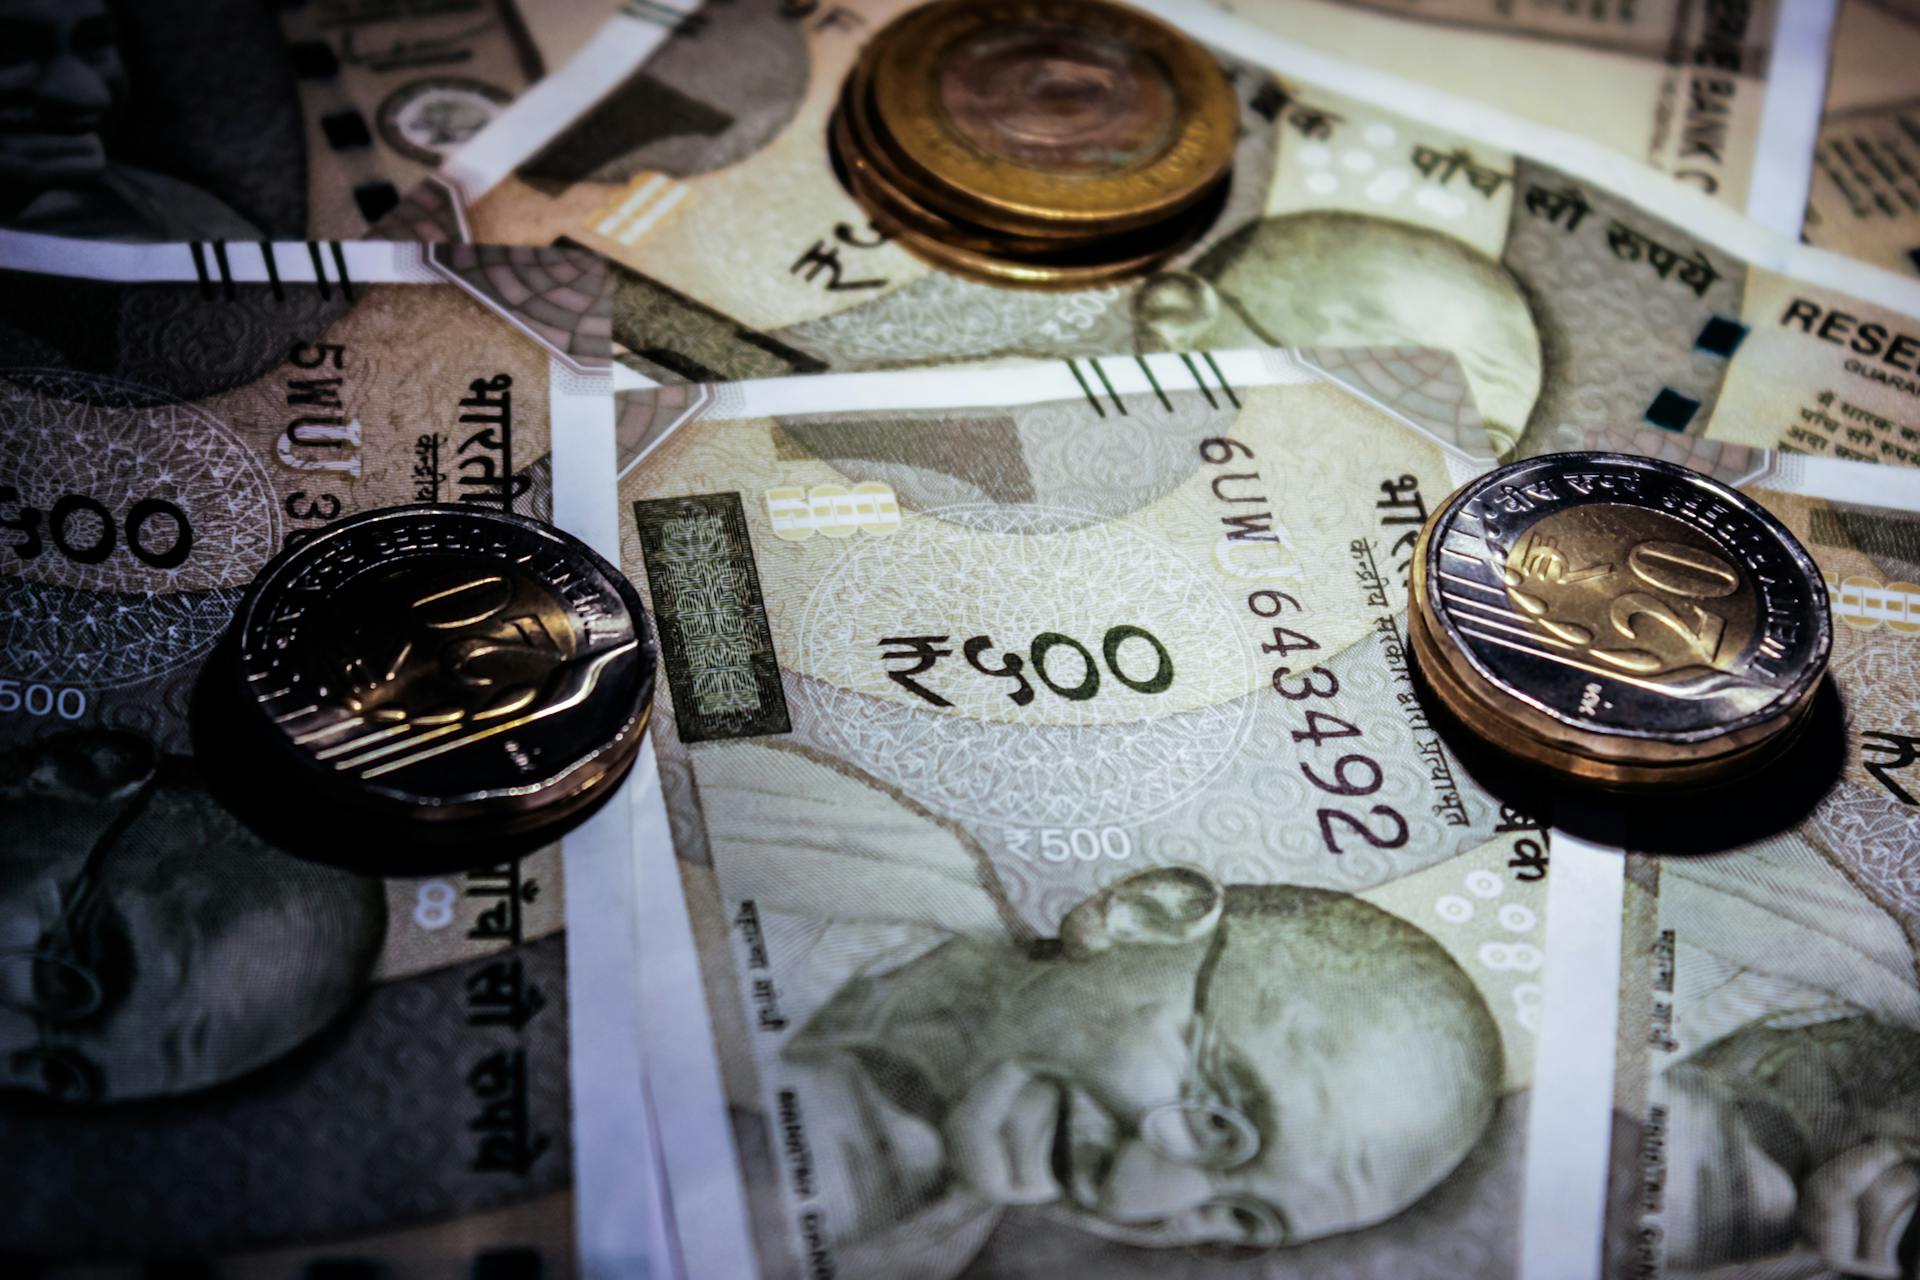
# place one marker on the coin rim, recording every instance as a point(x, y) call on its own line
point(988, 268)
point(901, 62)
point(858, 136)
point(1564, 760)
point(1490, 701)
point(508, 810)
point(879, 190)
point(970, 256)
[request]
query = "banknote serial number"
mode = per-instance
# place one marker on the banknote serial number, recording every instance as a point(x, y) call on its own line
point(153, 531)
point(1337, 769)
point(322, 439)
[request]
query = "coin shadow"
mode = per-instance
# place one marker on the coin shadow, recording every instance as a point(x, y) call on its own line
point(240, 769)
point(1696, 819)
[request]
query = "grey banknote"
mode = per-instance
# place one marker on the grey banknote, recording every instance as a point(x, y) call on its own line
point(1690, 89)
point(1761, 1028)
point(210, 1048)
point(1573, 299)
point(1068, 877)
point(1865, 195)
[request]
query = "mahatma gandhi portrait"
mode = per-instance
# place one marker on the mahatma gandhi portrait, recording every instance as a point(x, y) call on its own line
point(63, 88)
point(150, 944)
point(1799, 1133)
point(1781, 1131)
point(1185, 1064)
point(1326, 279)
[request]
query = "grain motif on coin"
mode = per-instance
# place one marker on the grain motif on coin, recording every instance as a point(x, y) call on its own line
point(458, 672)
point(1619, 620)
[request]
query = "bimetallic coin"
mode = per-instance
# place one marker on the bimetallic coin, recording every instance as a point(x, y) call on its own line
point(1039, 264)
point(453, 671)
point(1039, 143)
point(1052, 113)
point(1058, 99)
point(1056, 113)
point(858, 140)
point(1619, 619)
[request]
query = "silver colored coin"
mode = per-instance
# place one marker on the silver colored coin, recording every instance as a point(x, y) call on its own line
point(1620, 618)
point(447, 667)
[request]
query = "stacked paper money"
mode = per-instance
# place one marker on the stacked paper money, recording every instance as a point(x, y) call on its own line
point(1044, 858)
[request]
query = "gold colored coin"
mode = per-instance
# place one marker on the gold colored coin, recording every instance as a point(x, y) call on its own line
point(1036, 117)
point(1619, 620)
point(922, 213)
point(980, 255)
point(968, 255)
point(857, 133)
point(879, 186)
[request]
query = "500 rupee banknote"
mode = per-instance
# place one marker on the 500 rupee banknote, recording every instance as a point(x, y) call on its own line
point(1048, 862)
point(1865, 195)
point(1721, 97)
point(1748, 990)
point(1576, 288)
point(252, 1058)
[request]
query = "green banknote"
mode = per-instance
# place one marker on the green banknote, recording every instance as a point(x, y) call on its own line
point(325, 112)
point(1576, 289)
point(210, 1048)
point(1064, 877)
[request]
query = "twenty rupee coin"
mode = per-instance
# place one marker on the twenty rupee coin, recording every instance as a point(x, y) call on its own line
point(1619, 620)
point(448, 673)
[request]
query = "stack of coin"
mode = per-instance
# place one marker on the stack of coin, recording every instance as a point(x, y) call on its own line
point(1619, 620)
point(445, 675)
point(1045, 143)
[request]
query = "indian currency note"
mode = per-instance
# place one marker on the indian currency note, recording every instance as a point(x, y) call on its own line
point(325, 112)
point(1759, 1039)
point(1701, 92)
point(1576, 289)
point(1063, 875)
point(211, 1048)
point(1865, 195)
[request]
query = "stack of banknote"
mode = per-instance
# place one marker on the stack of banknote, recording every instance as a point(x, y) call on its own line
point(1045, 856)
